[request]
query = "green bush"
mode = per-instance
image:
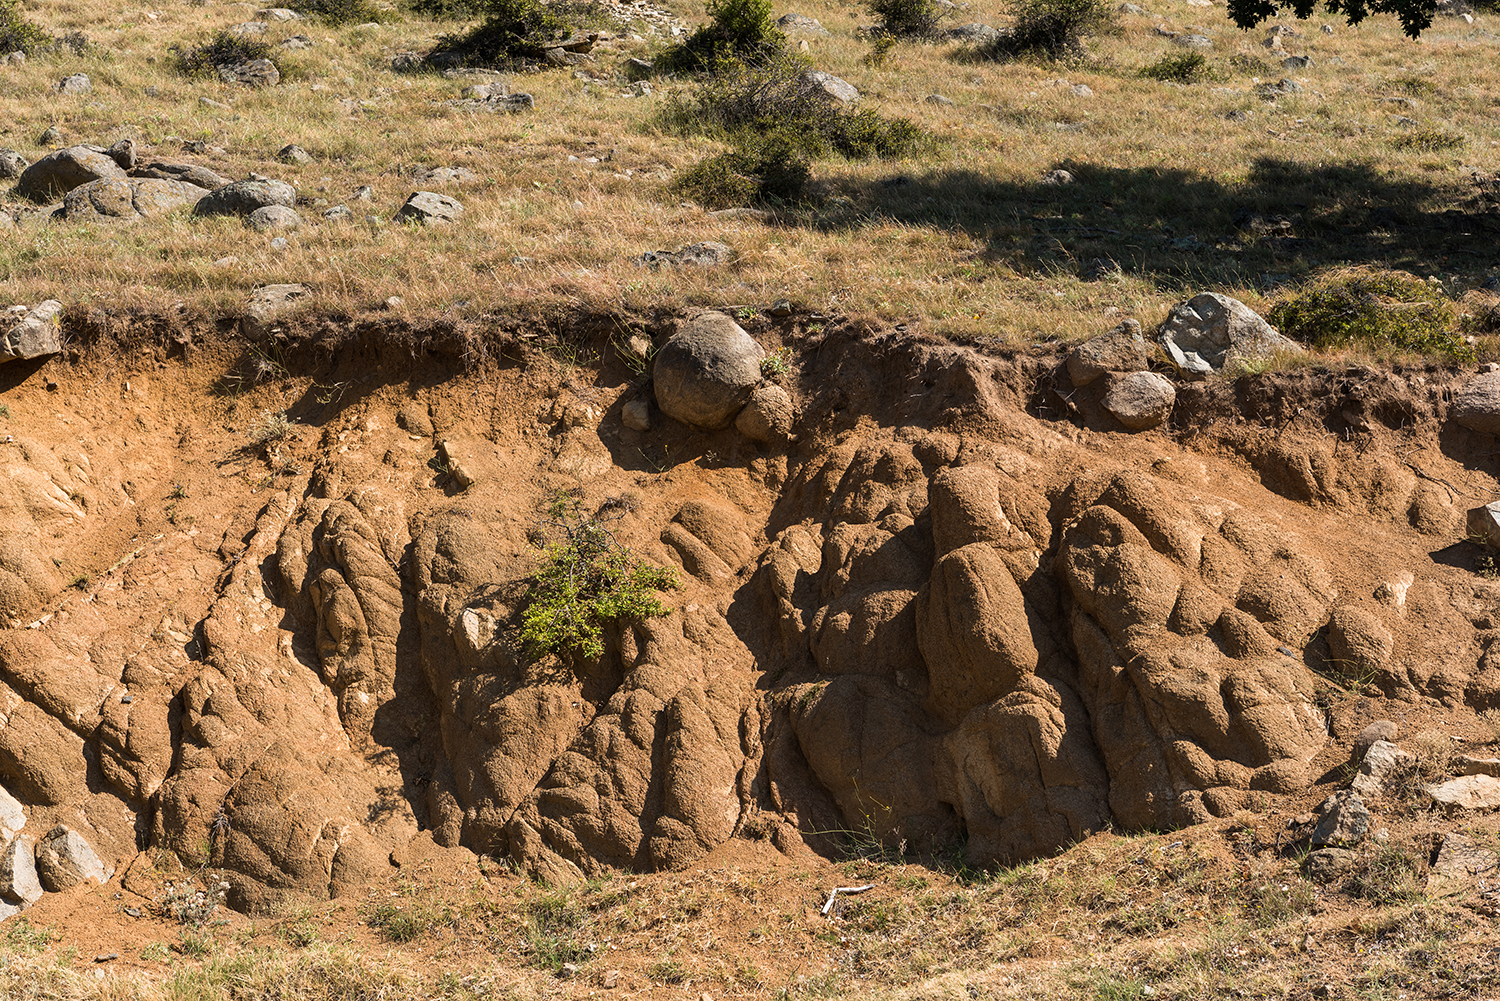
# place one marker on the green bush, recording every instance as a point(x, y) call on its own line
point(222, 49)
point(448, 10)
point(586, 579)
point(1052, 29)
point(517, 28)
point(740, 31)
point(1374, 308)
point(907, 18)
point(1190, 67)
point(19, 34)
point(338, 12)
point(769, 169)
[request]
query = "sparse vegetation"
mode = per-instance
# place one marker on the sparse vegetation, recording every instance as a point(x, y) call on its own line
point(511, 28)
point(1051, 29)
point(740, 31)
point(1429, 140)
point(225, 48)
point(554, 923)
point(1378, 309)
point(1189, 67)
point(907, 18)
point(339, 12)
point(586, 579)
point(17, 34)
point(270, 427)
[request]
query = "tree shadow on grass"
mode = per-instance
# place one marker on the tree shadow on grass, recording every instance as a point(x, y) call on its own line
point(1179, 226)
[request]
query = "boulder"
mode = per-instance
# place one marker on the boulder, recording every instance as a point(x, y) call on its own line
point(1193, 41)
point(406, 62)
point(1327, 864)
point(273, 217)
point(244, 197)
point(1212, 332)
point(768, 415)
point(34, 334)
point(19, 883)
point(278, 14)
point(12, 816)
point(1381, 729)
point(1120, 349)
point(1467, 792)
point(1343, 821)
point(1477, 405)
point(252, 73)
point(292, 153)
point(706, 254)
point(1384, 765)
point(827, 87)
point(64, 859)
point(55, 174)
point(189, 173)
point(1359, 644)
point(76, 83)
point(122, 153)
point(1467, 765)
point(266, 304)
point(126, 199)
point(1483, 525)
point(430, 209)
point(707, 371)
point(801, 24)
point(1141, 400)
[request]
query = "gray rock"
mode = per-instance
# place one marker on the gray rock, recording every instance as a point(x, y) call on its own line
point(11, 164)
point(266, 304)
point(248, 29)
point(189, 173)
point(12, 816)
point(296, 43)
point(1194, 41)
point(55, 174)
point(1120, 349)
point(1298, 63)
point(406, 62)
point(939, 100)
point(1343, 821)
point(1282, 87)
point(430, 209)
point(244, 197)
point(128, 199)
point(1081, 90)
point(485, 91)
point(445, 175)
point(768, 416)
point(1467, 792)
point(33, 334)
point(77, 83)
point(278, 14)
point(51, 136)
point(209, 102)
point(1477, 405)
point(636, 414)
point(122, 153)
point(801, 24)
point(1467, 765)
point(7, 221)
point(1057, 177)
point(16, 58)
point(338, 213)
point(1130, 8)
point(706, 372)
point(512, 104)
point(1327, 864)
point(1141, 400)
point(828, 87)
point(1383, 766)
point(19, 883)
point(252, 73)
point(269, 218)
point(292, 153)
point(981, 34)
point(1461, 865)
point(1381, 729)
point(1212, 332)
point(708, 253)
point(64, 859)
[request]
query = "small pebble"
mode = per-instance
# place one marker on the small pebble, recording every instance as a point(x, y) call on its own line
point(105, 957)
point(279, 243)
point(133, 912)
point(127, 698)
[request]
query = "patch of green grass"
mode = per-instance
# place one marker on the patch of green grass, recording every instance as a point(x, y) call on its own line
point(407, 923)
point(26, 937)
point(1375, 308)
point(448, 10)
point(1430, 140)
point(1188, 67)
point(551, 937)
point(667, 971)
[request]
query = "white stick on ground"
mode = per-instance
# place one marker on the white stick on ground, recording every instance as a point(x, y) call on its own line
point(845, 889)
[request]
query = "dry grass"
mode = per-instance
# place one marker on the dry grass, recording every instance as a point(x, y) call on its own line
point(966, 239)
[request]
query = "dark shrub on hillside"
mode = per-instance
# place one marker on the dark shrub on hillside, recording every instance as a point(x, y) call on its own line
point(1189, 67)
point(770, 169)
point(17, 33)
point(1052, 29)
point(515, 28)
point(907, 18)
point(448, 10)
point(741, 31)
point(339, 11)
point(223, 49)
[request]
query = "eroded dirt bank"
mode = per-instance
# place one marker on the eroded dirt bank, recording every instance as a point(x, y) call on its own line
point(961, 610)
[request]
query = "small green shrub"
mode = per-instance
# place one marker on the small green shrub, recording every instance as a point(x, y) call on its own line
point(336, 12)
point(1429, 140)
point(222, 49)
point(740, 31)
point(551, 936)
point(586, 579)
point(771, 170)
point(448, 10)
point(907, 18)
point(407, 924)
point(516, 28)
point(1052, 29)
point(19, 34)
point(1375, 308)
point(1189, 67)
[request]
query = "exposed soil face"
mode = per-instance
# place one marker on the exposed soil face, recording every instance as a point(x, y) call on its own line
point(963, 612)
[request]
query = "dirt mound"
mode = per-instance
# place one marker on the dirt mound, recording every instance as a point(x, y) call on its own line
point(942, 617)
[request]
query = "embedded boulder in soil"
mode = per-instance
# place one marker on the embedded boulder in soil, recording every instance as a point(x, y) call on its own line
point(706, 372)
